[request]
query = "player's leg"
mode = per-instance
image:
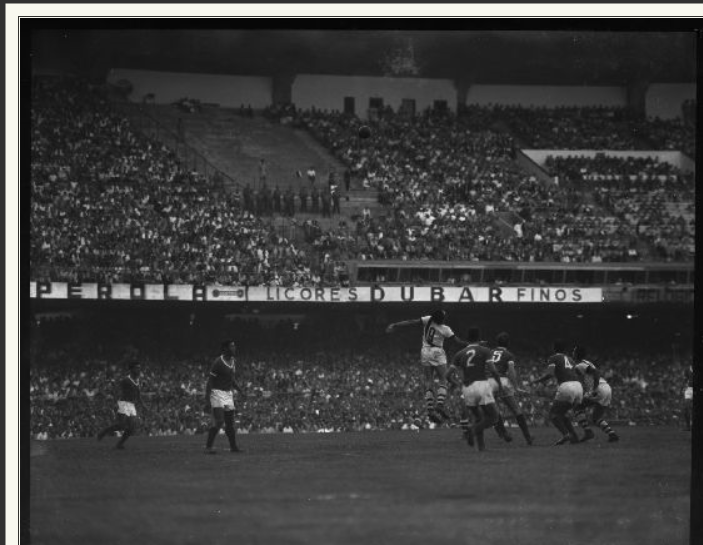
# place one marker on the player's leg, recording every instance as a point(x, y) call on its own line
point(598, 418)
point(557, 416)
point(500, 428)
point(489, 416)
point(428, 382)
point(230, 430)
point(129, 426)
point(441, 372)
point(110, 430)
point(500, 424)
point(470, 414)
point(514, 408)
point(218, 419)
point(581, 415)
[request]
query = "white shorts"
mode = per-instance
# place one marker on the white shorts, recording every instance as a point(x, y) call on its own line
point(478, 393)
point(432, 356)
point(220, 399)
point(508, 389)
point(570, 392)
point(126, 408)
point(604, 395)
point(688, 393)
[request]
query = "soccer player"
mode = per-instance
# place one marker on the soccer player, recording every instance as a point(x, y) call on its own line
point(688, 398)
point(597, 394)
point(433, 359)
point(504, 361)
point(569, 393)
point(128, 396)
point(220, 399)
point(476, 362)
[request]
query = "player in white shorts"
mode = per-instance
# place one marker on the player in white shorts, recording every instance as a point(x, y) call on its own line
point(219, 399)
point(433, 359)
point(597, 394)
point(128, 397)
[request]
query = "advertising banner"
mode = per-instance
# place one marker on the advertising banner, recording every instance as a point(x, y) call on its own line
point(365, 294)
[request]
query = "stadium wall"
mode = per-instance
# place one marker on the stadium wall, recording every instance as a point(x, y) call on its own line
point(675, 158)
point(168, 87)
point(549, 96)
point(328, 92)
point(664, 100)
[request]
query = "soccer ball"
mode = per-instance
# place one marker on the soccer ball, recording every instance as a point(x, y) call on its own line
point(364, 132)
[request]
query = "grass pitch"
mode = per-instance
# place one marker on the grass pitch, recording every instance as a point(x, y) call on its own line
point(371, 488)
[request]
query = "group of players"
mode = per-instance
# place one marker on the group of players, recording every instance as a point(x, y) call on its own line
point(486, 375)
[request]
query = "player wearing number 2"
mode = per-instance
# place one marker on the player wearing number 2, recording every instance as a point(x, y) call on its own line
point(504, 361)
point(433, 359)
point(476, 363)
point(569, 392)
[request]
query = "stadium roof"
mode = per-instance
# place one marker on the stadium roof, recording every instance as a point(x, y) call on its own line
point(576, 57)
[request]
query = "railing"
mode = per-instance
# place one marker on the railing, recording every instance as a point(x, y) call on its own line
point(635, 274)
point(187, 155)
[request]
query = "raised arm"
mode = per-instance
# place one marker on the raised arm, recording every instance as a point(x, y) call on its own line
point(395, 325)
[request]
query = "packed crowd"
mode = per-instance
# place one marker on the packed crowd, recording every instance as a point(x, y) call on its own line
point(600, 128)
point(108, 204)
point(349, 384)
point(654, 199)
point(451, 187)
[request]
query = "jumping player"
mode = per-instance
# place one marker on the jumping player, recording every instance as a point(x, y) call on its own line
point(433, 359)
point(688, 398)
point(475, 362)
point(220, 401)
point(597, 394)
point(128, 396)
point(504, 361)
point(569, 393)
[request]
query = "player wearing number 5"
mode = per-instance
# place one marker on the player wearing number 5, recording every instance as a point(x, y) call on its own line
point(504, 361)
point(433, 359)
point(569, 392)
point(219, 397)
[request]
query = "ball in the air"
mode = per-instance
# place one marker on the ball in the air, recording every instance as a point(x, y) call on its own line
point(364, 132)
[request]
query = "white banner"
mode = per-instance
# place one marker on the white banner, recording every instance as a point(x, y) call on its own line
point(366, 294)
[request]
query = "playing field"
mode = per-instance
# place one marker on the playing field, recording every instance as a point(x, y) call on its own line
point(369, 488)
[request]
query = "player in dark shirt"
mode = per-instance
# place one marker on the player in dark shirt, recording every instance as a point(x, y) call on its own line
point(504, 361)
point(569, 393)
point(128, 397)
point(475, 363)
point(220, 401)
point(688, 398)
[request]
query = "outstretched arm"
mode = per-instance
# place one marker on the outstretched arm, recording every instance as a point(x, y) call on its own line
point(404, 323)
point(549, 374)
point(460, 342)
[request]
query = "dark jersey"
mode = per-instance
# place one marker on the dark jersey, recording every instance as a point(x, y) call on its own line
point(689, 377)
point(563, 368)
point(472, 361)
point(222, 374)
point(501, 358)
point(129, 390)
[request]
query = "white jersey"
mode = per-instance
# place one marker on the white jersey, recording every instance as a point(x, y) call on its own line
point(582, 368)
point(433, 334)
